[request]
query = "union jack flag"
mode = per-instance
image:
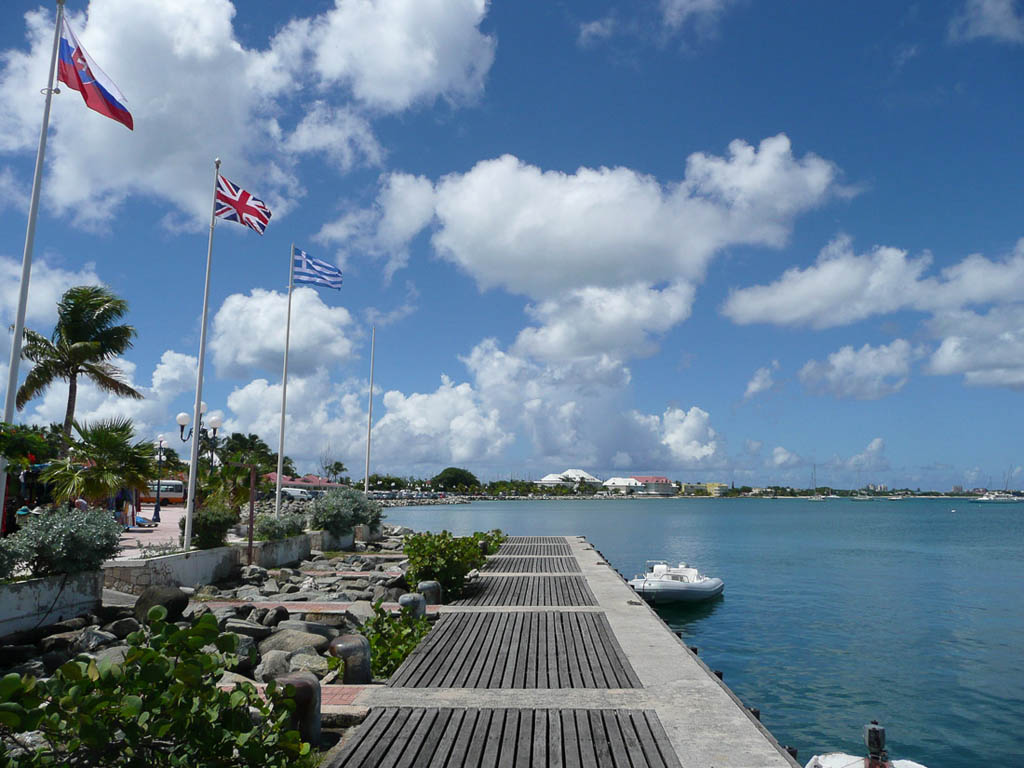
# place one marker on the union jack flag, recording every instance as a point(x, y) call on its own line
point(235, 204)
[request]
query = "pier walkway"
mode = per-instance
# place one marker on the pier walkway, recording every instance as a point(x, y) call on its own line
point(555, 662)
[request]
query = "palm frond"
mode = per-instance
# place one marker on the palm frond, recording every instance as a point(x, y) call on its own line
point(38, 381)
point(110, 378)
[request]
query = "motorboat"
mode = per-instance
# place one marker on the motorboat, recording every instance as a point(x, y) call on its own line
point(663, 583)
point(997, 497)
point(878, 757)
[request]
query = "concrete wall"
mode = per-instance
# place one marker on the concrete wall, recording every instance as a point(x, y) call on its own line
point(325, 541)
point(200, 566)
point(37, 602)
point(274, 554)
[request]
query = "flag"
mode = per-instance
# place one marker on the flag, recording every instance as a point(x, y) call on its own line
point(235, 204)
point(79, 72)
point(314, 271)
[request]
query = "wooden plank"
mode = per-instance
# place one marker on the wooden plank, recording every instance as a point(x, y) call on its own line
point(398, 747)
point(362, 742)
point(437, 730)
point(665, 748)
point(394, 728)
point(571, 739)
point(522, 643)
point(439, 759)
point(592, 667)
point(623, 669)
point(588, 755)
point(629, 738)
point(479, 740)
point(473, 658)
point(508, 746)
point(601, 746)
point(556, 741)
point(616, 744)
point(459, 655)
point(524, 744)
point(493, 746)
point(457, 756)
point(571, 650)
point(536, 619)
point(540, 737)
point(508, 676)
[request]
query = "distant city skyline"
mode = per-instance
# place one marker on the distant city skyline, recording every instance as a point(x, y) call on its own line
point(716, 241)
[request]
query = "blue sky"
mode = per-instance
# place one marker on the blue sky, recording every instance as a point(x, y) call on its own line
point(715, 239)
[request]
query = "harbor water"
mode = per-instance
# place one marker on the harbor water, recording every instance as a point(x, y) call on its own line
point(835, 613)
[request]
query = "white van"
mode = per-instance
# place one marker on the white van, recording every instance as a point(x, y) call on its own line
point(299, 494)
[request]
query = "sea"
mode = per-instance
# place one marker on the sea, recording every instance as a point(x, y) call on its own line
point(835, 613)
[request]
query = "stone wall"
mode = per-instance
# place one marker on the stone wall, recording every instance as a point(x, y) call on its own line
point(37, 602)
point(328, 542)
point(274, 554)
point(189, 569)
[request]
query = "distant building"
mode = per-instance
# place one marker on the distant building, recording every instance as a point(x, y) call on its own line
point(655, 485)
point(957, 489)
point(705, 489)
point(570, 478)
point(623, 485)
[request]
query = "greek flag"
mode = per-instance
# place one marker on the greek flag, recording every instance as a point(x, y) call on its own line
point(314, 271)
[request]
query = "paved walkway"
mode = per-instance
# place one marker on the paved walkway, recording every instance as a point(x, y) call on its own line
point(508, 683)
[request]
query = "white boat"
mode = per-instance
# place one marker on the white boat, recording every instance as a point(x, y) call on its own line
point(878, 757)
point(662, 583)
point(997, 497)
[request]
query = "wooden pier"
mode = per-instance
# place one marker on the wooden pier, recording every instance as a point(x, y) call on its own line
point(553, 661)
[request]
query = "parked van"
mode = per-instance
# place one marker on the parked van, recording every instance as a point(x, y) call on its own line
point(299, 494)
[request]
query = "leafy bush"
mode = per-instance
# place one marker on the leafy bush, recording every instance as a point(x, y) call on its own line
point(341, 508)
point(61, 541)
point(392, 638)
point(269, 527)
point(161, 707)
point(210, 525)
point(444, 558)
point(492, 539)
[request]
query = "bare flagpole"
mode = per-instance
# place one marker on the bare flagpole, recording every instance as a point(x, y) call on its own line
point(26, 259)
point(369, 413)
point(193, 467)
point(284, 379)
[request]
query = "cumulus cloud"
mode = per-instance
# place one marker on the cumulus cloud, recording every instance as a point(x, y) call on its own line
point(783, 459)
point(994, 19)
point(593, 32)
point(689, 437)
point(762, 380)
point(988, 349)
point(387, 55)
point(13, 194)
point(677, 13)
point(248, 333)
point(868, 373)
point(843, 287)
point(871, 459)
point(47, 285)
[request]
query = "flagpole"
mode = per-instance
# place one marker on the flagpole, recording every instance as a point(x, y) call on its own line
point(26, 259)
point(284, 380)
point(193, 468)
point(369, 414)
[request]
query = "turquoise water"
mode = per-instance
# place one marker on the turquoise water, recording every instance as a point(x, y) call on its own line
point(834, 613)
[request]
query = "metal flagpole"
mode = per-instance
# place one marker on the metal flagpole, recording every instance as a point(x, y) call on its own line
point(26, 259)
point(193, 467)
point(369, 413)
point(284, 380)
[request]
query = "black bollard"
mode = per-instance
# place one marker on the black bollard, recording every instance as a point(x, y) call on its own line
point(307, 704)
point(755, 712)
point(694, 649)
point(354, 650)
point(718, 673)
point(791, 751)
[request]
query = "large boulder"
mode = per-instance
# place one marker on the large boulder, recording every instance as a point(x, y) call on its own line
point(92, 638)
point(275, 616)
point(250, 628)
point(360, 612)
point(306, 662)
point(123, 627)
point(171, 598)
point(271, 666)
point(62, 641)
point(292, 640)
point(310, 626)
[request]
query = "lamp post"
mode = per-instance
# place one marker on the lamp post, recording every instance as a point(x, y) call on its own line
point(215, 423)
point(159, 445)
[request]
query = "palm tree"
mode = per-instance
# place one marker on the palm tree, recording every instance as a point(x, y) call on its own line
point(102, 461)
point(82, 344)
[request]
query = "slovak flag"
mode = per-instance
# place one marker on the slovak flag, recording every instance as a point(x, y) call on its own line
point(78, 71)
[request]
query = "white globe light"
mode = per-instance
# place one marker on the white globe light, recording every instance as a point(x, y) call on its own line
point(202, 406)
point(216, 422)
point(183, 419)
point(161, 438)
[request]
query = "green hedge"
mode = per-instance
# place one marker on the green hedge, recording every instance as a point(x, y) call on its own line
point(271, 527)
point(392, 638)
point(338, 510)
point(210, 525)
point(61, 541)
point(446, 559)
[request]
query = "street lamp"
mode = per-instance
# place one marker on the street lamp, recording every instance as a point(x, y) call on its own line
point(159, 445)
point(215, 423)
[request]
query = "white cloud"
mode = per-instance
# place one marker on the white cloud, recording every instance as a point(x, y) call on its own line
point(676, 13)
point(995, 19)
point(388, 54)
point(47, 284)
point(594, 320)
point(689, 437)
point(871, 459)
point(13, 194)
point(248, 333)
point(593, 32)
point(843, 287)
point(868, 373)
point(987, 349)
point(762, 380)
point(783, 459)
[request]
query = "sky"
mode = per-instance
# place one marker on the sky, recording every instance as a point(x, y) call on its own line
point(719, 240)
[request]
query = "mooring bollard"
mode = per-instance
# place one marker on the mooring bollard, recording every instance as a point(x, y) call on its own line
point(718, 673)
point(791, 751)
point(307, 703)
point(431, 591)
point(755, 712)
point(354, 650)
point(416, 601)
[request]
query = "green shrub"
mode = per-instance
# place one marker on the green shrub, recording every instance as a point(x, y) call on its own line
point(61, 541)
point(160, 707)
point(341, 508)
point(492, 539)
point(392, 638)
point(270, 527)
point(443, 558)
point(210, 525)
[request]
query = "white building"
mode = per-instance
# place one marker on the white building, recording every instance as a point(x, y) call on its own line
point(569, 478)
point(623, 485)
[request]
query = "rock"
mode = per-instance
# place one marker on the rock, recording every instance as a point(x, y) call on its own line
point(378, 593)
point(291, 640)
point(270, 587)
point(257, 615)
point(92, 638)
point(271, 666)
point(109, 613)
point(391, 545)
point(311, 596)
point(53, 659)
point(253, 573)
point(114, 653)
point(309, 663)
point(123, 627)
point(393, 595)
point(397, 582)
point(337, 621)
point(62, 641)
point(171, 598)
point(360, 611)
point(288, 589)
point(16, 654)
point(289, 572)
point(35, 668)
point(247, 593)
point(68, 625)
point(275, 616)
point(361, 596)
point(231, 678)
point(359, 546)
point(223, 614)
point(207, 590)
point(188, 590)
point(250, 628)
point(197, 611)
point(310, 626)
